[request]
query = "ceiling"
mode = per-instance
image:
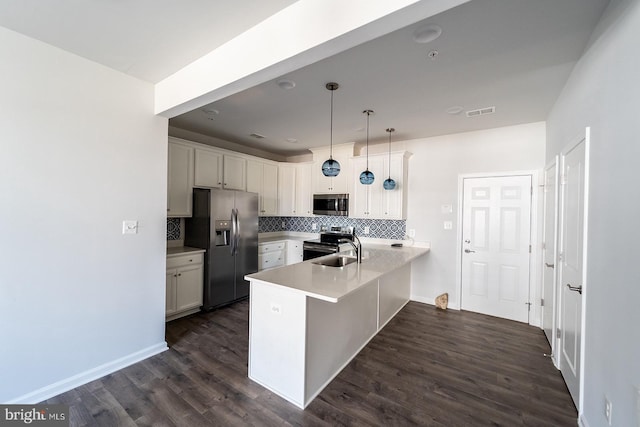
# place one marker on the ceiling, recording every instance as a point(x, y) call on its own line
point(515, 55)
point(147, 39)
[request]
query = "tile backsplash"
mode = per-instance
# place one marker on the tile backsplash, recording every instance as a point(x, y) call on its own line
point(173, 228)
point(378, 228)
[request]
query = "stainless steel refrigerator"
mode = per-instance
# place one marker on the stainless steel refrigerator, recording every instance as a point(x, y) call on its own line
point(225, 223)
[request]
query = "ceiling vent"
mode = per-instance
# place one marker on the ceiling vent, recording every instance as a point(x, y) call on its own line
point(481, 111)
point(257, 136)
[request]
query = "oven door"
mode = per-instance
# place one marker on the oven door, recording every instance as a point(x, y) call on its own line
point(315, 250)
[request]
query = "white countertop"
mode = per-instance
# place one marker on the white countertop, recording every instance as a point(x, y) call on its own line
point(183, 250)
point(332, 283)
point(282, 236)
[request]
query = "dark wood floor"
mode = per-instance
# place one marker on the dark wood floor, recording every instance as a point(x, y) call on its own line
point(426, 367)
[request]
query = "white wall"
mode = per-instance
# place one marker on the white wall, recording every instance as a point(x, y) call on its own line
point(603, 93)
point(81, 150)
point(433, 181)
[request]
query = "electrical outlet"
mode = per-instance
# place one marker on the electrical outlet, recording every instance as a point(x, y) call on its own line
point(448, 225)
point(129, 227)
point(314, 226)
point(366, 230)
point(276, 309)
point(412, 232)
point(284, 225)
point(607, 409)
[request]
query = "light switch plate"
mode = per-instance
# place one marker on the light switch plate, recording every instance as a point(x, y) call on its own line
point(446, 209)
point(129, 227)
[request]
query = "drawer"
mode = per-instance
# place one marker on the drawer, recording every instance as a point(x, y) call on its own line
point(271, 259)
point(179, 261)
point(270, 247)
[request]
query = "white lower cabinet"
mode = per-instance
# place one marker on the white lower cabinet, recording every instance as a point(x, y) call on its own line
point(184, 285)
point(271, 255)
point(294, 252)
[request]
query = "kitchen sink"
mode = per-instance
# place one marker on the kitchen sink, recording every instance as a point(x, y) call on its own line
point(336, 261)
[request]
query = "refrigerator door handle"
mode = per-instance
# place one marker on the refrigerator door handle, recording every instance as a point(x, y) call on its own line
point(236, 234)
point(234, 231)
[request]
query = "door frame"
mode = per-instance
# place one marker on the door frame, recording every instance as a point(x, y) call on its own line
point(554, 284)
point(586, 137)
point(534, 281)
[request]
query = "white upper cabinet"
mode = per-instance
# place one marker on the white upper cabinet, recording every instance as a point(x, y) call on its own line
point(180, 180)
point(304, 194)
point(235, 173)
point(366, 200)
point(373, 201)
point(286, 189)
point(294, 189)
point(262, 178)
point(208, 169)
point(332, 185)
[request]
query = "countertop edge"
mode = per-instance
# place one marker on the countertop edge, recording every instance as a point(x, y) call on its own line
point(183, 250)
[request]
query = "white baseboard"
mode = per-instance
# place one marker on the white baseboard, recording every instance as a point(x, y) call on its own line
point(82, 378)
point(431, 301)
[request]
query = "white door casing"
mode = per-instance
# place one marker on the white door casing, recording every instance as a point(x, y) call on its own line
point(571, 275)
point(549, 250)
point(496, 234)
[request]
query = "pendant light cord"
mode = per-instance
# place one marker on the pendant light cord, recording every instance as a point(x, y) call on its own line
point(389, 162)
point(331, 131)
point(368, 112)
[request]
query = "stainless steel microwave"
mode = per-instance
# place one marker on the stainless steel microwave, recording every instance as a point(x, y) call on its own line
point(331, 204)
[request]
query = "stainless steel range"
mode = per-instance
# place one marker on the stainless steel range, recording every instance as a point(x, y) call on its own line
point(328, 243)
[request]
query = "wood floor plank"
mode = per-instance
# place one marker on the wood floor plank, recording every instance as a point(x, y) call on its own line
point(426, 367)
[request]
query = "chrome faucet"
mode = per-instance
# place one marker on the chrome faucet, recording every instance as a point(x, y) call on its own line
point(357, 248)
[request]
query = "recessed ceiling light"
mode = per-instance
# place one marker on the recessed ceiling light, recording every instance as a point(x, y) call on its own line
point(292, 140)
point(456, 109)
point(432, 54)
point(427, 33)
point(286, 84)
point(210, 113)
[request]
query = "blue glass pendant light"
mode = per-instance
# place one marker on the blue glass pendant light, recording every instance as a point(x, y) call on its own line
point(388, 183)
point(331, 167)
point(366, 177)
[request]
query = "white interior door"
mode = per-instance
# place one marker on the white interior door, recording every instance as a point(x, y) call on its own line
point(496, 230)
point(571, 259)
point(549, 254)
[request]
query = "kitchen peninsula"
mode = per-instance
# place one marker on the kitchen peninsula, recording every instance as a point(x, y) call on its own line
point(307, 321)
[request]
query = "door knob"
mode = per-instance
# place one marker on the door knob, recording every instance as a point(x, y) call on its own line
point(468, 251)
point(549, 265)
point(467, 241)
point(577, 289)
